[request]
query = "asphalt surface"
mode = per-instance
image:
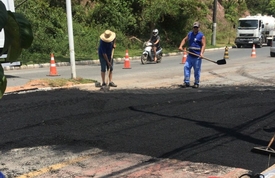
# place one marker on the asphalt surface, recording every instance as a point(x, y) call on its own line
point(214, 127)
point(217, 125)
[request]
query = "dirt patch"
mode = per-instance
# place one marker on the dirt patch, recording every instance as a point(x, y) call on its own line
point(34, 84)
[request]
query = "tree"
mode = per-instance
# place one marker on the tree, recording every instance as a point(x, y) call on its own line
point(115, 14)
point(18, 36)
point(258, 7)
point(233, 10)
point(271, 7)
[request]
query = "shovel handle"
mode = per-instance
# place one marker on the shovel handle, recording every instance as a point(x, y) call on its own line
point(107, 78)
point(112, 55)
point(271, 141)
point(202, 57)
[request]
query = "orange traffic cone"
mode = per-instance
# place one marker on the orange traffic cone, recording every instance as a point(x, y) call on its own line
point(53, 71)
point(126, 61)
point(253, 54)
point(184, 56)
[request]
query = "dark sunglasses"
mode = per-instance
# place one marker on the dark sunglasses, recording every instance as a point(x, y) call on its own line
point(195, 27)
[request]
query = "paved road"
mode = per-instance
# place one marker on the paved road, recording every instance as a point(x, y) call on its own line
point(217, 124)
point(210, 125)
point(169, 70)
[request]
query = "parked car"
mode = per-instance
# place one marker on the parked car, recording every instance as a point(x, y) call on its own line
point(272, 48)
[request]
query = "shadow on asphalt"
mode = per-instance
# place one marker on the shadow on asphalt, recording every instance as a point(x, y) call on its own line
point(12, 76)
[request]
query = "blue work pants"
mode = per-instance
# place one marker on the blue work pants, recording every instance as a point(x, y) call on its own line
point(195, 63)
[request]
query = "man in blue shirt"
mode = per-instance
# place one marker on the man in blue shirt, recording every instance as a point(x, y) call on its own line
point(196, 42)
point(106, 46)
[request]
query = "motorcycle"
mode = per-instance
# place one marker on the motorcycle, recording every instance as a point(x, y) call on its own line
point(148, 53)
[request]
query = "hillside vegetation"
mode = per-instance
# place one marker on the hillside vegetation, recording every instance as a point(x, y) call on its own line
point(132, 20)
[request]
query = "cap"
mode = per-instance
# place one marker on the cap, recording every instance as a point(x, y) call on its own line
point(196, 24)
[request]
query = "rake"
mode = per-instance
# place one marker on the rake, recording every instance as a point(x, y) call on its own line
point(266, 150)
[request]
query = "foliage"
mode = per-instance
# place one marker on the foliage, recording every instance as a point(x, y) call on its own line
point(132, 20)
point(18, 35)
point(271, 7)
point(233, 10)
point(258, 7)
point(48, 25)
point(115, 14)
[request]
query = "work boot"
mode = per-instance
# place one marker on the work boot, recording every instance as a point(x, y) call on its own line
point(97, 84)
point(195, 86)
point(185, 85)
point(112, 84)
point(103, 84)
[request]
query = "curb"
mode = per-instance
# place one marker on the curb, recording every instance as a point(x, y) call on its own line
point(90, 62)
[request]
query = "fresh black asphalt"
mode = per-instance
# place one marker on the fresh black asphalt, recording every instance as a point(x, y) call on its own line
point(218, 125)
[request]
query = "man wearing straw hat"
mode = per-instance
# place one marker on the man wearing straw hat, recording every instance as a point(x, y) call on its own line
point(106, 46)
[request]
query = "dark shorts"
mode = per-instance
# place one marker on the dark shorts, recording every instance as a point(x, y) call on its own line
point(156, 45)
point(104, 65)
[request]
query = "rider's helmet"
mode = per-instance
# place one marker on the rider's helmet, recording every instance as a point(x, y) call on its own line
point(155, 32)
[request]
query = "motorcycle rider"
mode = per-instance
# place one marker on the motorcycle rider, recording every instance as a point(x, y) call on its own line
point(155, 39)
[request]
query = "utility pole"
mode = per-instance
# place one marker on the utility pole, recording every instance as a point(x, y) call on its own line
point(213, 42)
point(71, 38)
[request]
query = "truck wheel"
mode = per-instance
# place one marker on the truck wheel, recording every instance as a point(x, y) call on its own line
point(272, 54)
point(269, 42)
point(239, 46)
point(260, 45)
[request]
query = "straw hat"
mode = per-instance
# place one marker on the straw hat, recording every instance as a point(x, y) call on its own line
point(108, 36)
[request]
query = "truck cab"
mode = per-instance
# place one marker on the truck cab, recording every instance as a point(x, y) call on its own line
point(249, 32)
point(3, 58)
point(257, 30)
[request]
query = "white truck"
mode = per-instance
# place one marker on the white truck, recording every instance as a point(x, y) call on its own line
point(257, 30)
point(9, 6)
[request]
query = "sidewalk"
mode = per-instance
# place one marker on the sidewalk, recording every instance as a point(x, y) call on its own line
point(117, 165)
